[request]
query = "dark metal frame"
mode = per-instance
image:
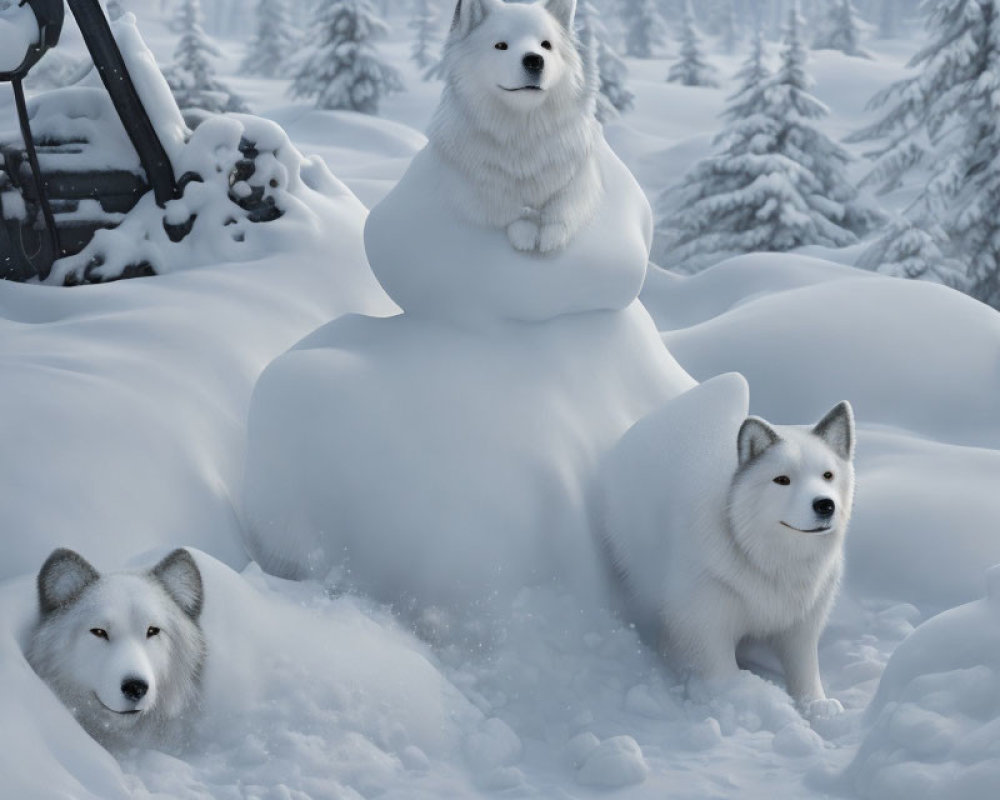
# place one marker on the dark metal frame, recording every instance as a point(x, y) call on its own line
point(114, 74)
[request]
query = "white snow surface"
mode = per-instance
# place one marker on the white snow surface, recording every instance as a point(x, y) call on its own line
point(936, 715)
point(123, 421)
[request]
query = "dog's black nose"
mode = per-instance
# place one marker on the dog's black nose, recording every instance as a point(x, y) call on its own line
point(134, 689)
point(533, 62)
point(824, 506)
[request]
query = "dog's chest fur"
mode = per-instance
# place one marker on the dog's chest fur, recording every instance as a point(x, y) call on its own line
point(511, 163)
point(777, 595)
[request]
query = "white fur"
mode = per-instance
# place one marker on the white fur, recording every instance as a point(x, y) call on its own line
point(527, 157)
point(152, 636)
point(717, 563)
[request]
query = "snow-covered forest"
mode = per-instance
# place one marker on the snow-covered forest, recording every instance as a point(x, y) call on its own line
point(382, 431)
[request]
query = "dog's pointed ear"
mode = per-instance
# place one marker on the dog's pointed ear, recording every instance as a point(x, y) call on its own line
point(562, 10)
point(754, 438)
point(470, 13)
point(62, 579)
point(837, 430)
point(179, 575)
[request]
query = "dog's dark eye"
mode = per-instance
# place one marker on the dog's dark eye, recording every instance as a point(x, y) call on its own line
point(501, 45)
point(547, 45)
point(828, 476)
point(152, 631)
point(100, 633)
point(783, 480)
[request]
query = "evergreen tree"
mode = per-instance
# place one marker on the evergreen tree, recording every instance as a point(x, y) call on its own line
point(342, 69)
point(691, 69)
point(907, 250)
point(888, 19)
point(605, 68)
point(728, 34)
point(644, 27)
point(274, 42)
point(191, 76)
point(946, 119)
point(424, 25)
point(840, 30)
point(775, 182)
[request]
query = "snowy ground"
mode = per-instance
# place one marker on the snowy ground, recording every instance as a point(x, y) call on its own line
point(124, 415)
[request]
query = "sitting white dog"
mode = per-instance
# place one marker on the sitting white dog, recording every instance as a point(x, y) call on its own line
point(718, 544)
point(516, 119)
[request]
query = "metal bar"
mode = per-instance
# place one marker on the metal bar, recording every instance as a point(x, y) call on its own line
point(41, 261)
point(111, 67)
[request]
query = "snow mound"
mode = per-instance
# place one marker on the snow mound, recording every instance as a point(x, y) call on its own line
point(613, 763)
point(461, 271)
point(896, 349)
point(936, 715)
point(426, 463)
point(335, 696)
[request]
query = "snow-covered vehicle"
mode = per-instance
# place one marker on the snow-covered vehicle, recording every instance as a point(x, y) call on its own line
point(68, 174)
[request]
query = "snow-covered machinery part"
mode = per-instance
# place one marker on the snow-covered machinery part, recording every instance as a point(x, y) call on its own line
point(26, 251)
point(53, 199)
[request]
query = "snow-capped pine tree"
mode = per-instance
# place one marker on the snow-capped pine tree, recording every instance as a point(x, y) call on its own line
point(191, 76)
point(644, 27)
point(840, 30)
point(753, 76)
point(424, 25)
point(274, 42)
point(691, 68)
point(966, 186)
point(342, 69)
point(775, 182)
point(603, 64)
point(946, 119)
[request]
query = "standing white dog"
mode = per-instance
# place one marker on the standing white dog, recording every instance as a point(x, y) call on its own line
point(516, 119)
point(123, 651)
point(759, 560)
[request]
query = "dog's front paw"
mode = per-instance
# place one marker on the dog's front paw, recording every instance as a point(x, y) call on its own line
point(821, 709)
point(523, 234)
point(553, 236)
